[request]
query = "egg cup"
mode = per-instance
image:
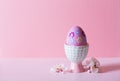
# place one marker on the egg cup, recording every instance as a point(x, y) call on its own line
point(76, 54)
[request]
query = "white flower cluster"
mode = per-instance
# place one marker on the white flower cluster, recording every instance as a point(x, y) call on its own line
point(93, 65)
point(59, 68)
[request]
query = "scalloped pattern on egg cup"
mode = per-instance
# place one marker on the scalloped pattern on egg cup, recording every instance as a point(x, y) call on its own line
point(76, 53)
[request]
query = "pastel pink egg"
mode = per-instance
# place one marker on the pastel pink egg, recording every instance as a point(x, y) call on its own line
point(76, 37)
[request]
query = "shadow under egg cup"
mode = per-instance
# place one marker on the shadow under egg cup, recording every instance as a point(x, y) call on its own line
point(76, 54)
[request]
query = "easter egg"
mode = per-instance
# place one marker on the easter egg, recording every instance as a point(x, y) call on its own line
point(76, 37)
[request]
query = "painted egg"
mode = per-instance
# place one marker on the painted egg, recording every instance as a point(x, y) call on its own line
point(76, 37)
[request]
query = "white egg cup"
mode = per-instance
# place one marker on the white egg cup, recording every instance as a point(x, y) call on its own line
point(76, 54)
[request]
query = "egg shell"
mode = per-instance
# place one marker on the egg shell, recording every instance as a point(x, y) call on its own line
point(76, 37)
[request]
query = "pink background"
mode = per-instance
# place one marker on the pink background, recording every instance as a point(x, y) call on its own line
point(38, 28)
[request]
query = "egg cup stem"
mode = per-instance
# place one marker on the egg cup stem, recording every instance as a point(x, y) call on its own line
point(76, 67)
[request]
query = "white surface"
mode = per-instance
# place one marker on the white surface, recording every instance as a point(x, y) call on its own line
point(38, 70)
